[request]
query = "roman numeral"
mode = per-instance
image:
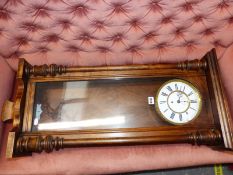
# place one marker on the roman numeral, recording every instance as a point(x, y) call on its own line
point(169, 88)
point(162, 102)
point(180, 116)
point(180, 88)
point(164, 94)
point(193, 101)
point(172, 115)
point(192, 108)
point(190, 93)
point(176, 87)
point(183, 88)
point(165, 110)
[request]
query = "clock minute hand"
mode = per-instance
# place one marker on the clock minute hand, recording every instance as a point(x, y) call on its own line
point(183, 101)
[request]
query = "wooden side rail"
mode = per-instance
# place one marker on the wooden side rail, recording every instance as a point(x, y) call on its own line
point(29, 144)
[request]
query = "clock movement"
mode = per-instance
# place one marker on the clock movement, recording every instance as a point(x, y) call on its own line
point(56, 107)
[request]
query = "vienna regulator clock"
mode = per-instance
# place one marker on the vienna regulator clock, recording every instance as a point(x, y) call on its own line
point(58, 107)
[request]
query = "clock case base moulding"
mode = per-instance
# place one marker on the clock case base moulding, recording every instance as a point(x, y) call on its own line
point(213, 127)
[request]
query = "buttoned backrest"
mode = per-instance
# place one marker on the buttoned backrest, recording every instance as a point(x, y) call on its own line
point(113, 32)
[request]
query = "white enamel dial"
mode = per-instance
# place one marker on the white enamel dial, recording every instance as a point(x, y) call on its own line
point(178, 101)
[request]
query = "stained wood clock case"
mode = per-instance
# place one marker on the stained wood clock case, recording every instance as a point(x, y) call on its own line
point(109, 107)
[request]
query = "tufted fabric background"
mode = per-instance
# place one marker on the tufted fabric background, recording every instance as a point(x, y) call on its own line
point(113, 32)
point(110, 32)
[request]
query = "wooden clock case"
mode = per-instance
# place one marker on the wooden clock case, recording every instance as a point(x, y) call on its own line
point(213, 127)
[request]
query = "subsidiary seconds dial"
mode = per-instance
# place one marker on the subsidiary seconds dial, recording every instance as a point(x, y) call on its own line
point(178, 101)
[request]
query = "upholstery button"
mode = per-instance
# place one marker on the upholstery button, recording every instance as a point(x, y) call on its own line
point(5, 14)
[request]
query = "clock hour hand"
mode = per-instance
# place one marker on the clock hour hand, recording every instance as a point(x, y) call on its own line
point(179, 96)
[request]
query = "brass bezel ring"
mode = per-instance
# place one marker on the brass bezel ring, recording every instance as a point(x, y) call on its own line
point(187, 83)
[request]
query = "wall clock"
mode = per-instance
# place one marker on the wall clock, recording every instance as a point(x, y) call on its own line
point(178, 101)
point(58, 107)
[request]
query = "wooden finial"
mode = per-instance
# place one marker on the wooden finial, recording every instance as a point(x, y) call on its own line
point(207, 137)
point(45, 70)
point(39, 144)
point(193, 65)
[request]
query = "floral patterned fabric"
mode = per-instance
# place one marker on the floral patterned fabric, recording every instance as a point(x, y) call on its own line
point(110, 32)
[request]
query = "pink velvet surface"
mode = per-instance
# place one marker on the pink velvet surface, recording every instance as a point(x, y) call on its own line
point(113, 32)
point(6, 83)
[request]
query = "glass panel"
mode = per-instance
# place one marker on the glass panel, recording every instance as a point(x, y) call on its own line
point(98, 104)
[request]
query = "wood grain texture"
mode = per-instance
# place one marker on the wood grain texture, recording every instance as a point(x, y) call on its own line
point(219, 102)
point(53, 69)
point(49, 143)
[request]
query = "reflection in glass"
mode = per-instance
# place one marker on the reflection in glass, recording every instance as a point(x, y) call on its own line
point(81, 124)
point(96, 104)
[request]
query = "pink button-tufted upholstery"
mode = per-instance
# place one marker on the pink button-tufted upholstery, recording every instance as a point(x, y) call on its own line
point(112, 32)
point(107, 32)
point(6, 84)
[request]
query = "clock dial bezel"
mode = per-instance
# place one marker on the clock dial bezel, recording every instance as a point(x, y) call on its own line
point(196, 91)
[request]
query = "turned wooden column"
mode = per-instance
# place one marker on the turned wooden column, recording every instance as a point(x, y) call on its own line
point(49, 143)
